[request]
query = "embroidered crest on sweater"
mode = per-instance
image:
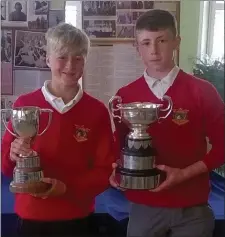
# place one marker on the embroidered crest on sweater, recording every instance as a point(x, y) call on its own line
point(180, 116)
point(81, 133)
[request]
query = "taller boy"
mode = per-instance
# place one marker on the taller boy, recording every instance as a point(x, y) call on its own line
point(179, 206)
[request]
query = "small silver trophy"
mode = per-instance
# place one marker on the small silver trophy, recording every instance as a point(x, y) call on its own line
point(27, 173)
point(136, 167)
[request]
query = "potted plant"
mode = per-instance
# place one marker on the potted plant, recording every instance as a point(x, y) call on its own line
point(211, 70)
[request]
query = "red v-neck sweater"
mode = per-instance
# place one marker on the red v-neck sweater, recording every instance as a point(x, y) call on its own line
point(83, 166)
point(181, 145)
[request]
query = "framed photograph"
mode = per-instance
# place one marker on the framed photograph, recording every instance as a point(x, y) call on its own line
point(99, 19)
point(41, 7)
point(17, 11)
point(3, 10)
point(135, 16)
point(6, 62)
point(140, 5)
point(55, 17)
point(9, 101)
point(137, 4)
point(14, 13)
point(38, 22)
point(30, 50)
point(125, 32)
point(6, 78)
point(123, 5)
point(124, 17)
point(38, 15)
point(100, 28)
point(99, 8)
point(2, 102)
point(17, 14)
point(148, 4)
point(6, 46)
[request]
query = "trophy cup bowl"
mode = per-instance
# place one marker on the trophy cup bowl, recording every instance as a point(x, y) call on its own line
point(136, 166)
point(27, 173)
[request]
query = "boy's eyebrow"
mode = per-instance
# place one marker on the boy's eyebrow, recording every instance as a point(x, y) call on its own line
point(147, 39)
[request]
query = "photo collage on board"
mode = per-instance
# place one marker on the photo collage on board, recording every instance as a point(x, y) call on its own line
point(112, 19)
point(23, 44)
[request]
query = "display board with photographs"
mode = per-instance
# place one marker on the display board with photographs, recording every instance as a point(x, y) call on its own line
point(23, 25)
point(23, 44)
point(116, 19)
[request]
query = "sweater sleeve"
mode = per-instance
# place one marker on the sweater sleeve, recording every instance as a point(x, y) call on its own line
point(96, 180)
point(213, 115)
point(8, 165)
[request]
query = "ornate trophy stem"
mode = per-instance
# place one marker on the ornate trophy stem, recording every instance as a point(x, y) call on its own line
point(27, 173)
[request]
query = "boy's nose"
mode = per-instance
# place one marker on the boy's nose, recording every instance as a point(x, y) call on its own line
point(153, 49)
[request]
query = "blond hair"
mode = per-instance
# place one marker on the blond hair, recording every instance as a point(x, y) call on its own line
point(64, 39)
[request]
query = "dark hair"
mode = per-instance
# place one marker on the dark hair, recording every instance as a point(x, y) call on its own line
point(18, 4)
point(155, 20)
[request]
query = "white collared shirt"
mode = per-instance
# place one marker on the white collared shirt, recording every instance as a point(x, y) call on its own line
point(160, 87)
point(57, 102)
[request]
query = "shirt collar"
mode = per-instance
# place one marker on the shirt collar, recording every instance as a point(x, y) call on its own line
point(51, 97)
point(168, 79)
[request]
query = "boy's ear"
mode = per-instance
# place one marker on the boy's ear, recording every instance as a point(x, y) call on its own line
point(135, 44)
point(47, 61)
point(178, 40)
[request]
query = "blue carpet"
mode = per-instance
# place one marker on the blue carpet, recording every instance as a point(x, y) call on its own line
point(217, 196)
point(112, 208)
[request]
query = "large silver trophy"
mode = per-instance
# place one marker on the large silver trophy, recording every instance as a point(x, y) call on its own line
point(27, 173)
point(136, 167)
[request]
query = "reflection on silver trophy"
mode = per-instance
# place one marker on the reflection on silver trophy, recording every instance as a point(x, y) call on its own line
point(27, 173)
point(136, 167)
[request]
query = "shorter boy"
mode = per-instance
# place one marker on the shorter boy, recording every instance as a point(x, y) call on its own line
point(76, 151)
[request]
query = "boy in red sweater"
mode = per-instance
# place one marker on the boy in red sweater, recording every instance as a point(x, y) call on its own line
point(75, 152)
point(179, 206)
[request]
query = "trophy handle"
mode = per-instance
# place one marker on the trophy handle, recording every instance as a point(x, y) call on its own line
point(169, 107)
point(49, 111)
point(3, 113)
point(112, 109)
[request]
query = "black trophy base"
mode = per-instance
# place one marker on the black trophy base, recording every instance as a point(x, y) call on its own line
point(138, 179)
point(139, 147)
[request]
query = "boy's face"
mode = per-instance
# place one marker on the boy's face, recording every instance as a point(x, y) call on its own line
point(67, 69)
point(18, 7)
point(156, 48)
